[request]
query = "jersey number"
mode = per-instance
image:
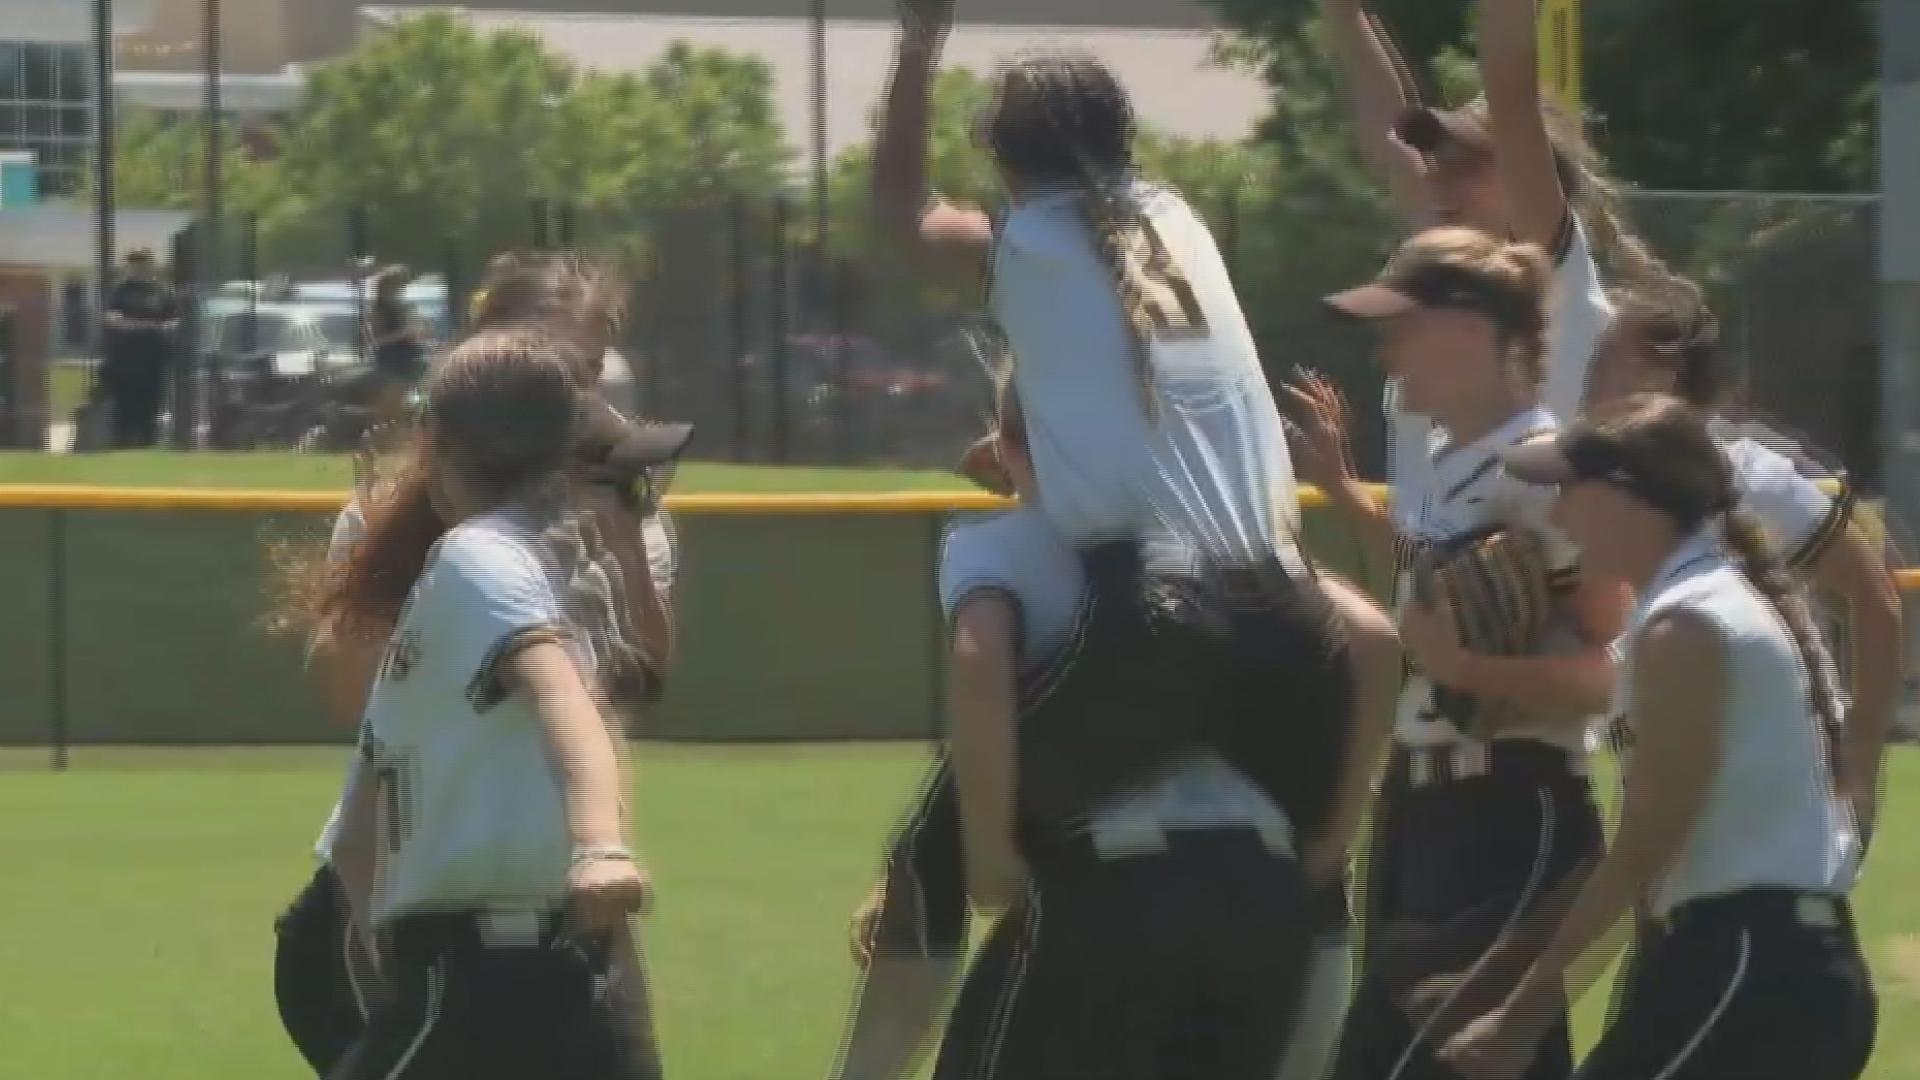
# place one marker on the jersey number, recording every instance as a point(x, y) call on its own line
point(393, 790)
point(1159, 290)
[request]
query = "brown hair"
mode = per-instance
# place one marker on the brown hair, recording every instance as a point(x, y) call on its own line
point(1010, 419)
point(503, 407)
point(1669, 318)
point(578, 298)
point(389, 281)
point(1666, 441)
point(1062, 118)
point(1520, 269)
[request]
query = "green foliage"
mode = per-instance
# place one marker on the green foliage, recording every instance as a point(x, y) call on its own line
point(160, 164)
point(445, 136)
point(1771, 95)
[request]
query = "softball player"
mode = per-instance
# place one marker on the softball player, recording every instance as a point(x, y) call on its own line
point(1506, 164)
point(491, 782)
point(1733, 831)
point(1473, 833)
point(1148, 412)
point(324, 972)
point(1078, 652)
point(581, 301)
point(1664, 339)
point(1165, 936)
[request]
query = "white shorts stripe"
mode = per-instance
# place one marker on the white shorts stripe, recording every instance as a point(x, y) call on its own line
point(1535, 878)
point(1719, 1009)
point(1003, 1017)
point(348, 936)
point(436, 998)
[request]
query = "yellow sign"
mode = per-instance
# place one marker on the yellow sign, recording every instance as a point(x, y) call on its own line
point(1559, 25)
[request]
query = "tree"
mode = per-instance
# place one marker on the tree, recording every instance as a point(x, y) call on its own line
point(445, 136)
point(160, 163)
point(1772, 95)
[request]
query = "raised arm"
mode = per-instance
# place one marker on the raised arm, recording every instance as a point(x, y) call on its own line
point(1379, 89)
point(901, 199)
point(1510, 69)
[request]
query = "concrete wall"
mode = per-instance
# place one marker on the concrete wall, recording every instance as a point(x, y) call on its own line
point(254, 36)
point(318, 29)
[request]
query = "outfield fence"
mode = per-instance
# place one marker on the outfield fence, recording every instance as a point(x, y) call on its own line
point(140, 615)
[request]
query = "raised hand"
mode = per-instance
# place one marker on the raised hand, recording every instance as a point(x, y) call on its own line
point(926, 20)
point(1320, 430)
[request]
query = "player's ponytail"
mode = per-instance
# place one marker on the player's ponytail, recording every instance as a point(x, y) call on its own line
point(1063, 119)
point(1671, 450)
point(1749, 544)
point(1112, 216)
point(360, 595)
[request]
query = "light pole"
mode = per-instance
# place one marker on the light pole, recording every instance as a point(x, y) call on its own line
point(103, 130)
point(1900, 258)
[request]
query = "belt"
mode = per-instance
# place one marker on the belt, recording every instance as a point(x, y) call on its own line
point(1087, 848)
point(488, 929)
point(1130, 833)
point(1810, 910)
point(1448, 763)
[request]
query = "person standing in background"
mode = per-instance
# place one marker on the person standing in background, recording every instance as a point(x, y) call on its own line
point(141, 317)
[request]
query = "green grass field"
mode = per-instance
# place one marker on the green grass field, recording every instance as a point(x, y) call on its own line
point(323, 472)
point(141, 888)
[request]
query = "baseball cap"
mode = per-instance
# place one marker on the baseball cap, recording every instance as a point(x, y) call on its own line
point(1403, 288)
point(649, 444)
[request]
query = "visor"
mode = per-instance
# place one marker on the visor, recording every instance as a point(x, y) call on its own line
point(1398, 292)
point(1576, 456)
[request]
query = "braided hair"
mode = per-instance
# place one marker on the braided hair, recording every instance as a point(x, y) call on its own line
point(1669, 443)
point(1061, 118)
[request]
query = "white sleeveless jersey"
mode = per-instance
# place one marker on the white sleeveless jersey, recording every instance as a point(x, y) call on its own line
point(1018, 555)
point(1770, 817)
point(1578, 312)
point(1470, 490)
point(1211, 474)
point(470, 813)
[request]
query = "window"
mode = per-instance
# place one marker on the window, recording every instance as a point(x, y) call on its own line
point(74, 76)
point(12, 58)
point(73, 122)
point(41, 67)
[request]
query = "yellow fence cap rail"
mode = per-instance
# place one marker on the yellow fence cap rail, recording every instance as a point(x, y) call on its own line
point(85, 497)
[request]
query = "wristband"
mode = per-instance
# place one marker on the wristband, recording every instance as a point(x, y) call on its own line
point(602, 853)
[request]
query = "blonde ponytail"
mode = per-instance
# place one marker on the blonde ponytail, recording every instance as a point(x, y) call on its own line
point(1113, 218)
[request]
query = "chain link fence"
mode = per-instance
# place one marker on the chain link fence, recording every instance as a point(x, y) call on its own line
point(782, 352)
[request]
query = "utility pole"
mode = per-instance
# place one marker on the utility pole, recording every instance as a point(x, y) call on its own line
point(103, 212)
point(1900, 258)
